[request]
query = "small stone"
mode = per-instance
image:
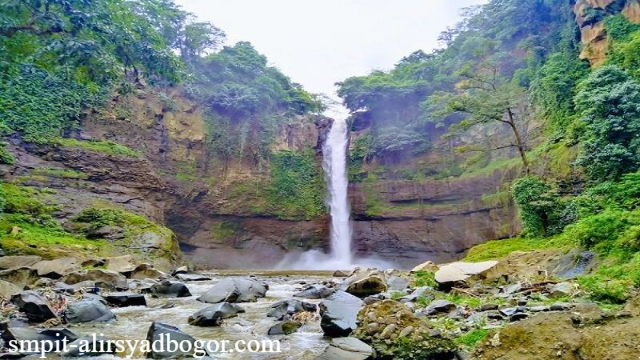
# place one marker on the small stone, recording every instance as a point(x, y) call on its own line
point(386, 333)
point(488, 307)
point(406, 331)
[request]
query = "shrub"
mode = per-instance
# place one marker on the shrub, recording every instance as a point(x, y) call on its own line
point(539, 206)
point(601, 229)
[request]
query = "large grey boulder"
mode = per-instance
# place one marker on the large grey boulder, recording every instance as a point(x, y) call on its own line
point(147, 271)
point(55, 269)
point(121, 264)
point(191, 277)
point(347, 349)
point(56, 336)
point(214, 314)
point(10, 262)
point(339, 313)
point(7, 289)
point(156, 332)
point(89, 310)
point(35, 306)
point(315, 292)
point(169, 289)
point(125, 299)
point(365, 282)
point(463, 272)
point(283, 310)
point(19, 276)
point(235, 290)
point(106, 279)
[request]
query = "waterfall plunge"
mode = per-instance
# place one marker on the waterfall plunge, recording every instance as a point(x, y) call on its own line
point(335, 167)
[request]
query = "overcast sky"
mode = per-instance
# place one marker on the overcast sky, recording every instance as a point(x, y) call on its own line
point(320, 42)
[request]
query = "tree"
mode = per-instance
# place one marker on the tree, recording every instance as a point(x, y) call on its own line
point(609, 104)
point(539, 205)
point(485, 97)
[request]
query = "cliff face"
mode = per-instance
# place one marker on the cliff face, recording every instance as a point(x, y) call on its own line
point(590, 15)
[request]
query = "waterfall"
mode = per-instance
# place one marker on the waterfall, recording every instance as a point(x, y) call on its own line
point(335, 168)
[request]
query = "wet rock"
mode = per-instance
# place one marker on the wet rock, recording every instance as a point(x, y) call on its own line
point(87, 311)
point(283, 310)
point(7, 289)
point(213, 315)
point(105, 279)
point(518, 317)
point(159, 331)
point(365, 282)
point(146, 271)
point(315, 292)
point(55, 269)
point(427, 266)
point(170, 289)
point(235, 290)
point(125, 299)
point(339, 313)
point(419, 339)
point(284, 328)
point(35, 306)
point(507, 290)
point(192, 277)
point(180, 270)
point(10, 262)
point(347, 349)
point(463, 272)
point(56, 336)
point(121, 264)
point(559, 290)
point(340, 274)
point(83, 347)
point(374, 298)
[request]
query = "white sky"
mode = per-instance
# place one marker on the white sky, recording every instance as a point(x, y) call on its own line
point(320, 42)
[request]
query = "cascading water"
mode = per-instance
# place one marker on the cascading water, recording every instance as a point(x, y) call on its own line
point(335, 167)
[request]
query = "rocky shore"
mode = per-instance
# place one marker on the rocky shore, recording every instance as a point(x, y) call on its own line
point(448, 312)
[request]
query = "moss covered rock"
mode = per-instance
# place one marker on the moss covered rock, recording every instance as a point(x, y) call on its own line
point(395, 332)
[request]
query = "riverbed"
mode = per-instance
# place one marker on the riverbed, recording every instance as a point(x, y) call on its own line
point(307, 343)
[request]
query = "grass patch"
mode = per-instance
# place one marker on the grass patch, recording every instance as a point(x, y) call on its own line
point(102, 146)
point(424, 278)
point(472, 338)
point(498, 249)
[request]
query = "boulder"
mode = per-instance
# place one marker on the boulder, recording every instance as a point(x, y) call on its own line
point(55, 269)
point(315, 292)
point(125, 299)
point(365, 282)
point(35, 306)
point(191, 277)
point(156, 332)
point(121, 264)
point(425, 292)
point(340, 274)
point(21, 276)
point(284, 328)
point(347, 349)
point(283, 310)
point(398, 283)
point(463, 272)
point(235, 290)
point(438, 307)
point(213, 315)
point(559, 290)
point(10, 262)
point(76, 348)
point(106, 279)
point(339, 313)
point(7, 289)
point(85, 286)
point(56, 336)
point(146, 271)
point(169, 289)
point(384, 323)
point(107, 232)
point(180, 270)
point(427, 266)
point(89, 310)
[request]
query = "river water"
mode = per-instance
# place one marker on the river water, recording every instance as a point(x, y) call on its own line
point(306, 343)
